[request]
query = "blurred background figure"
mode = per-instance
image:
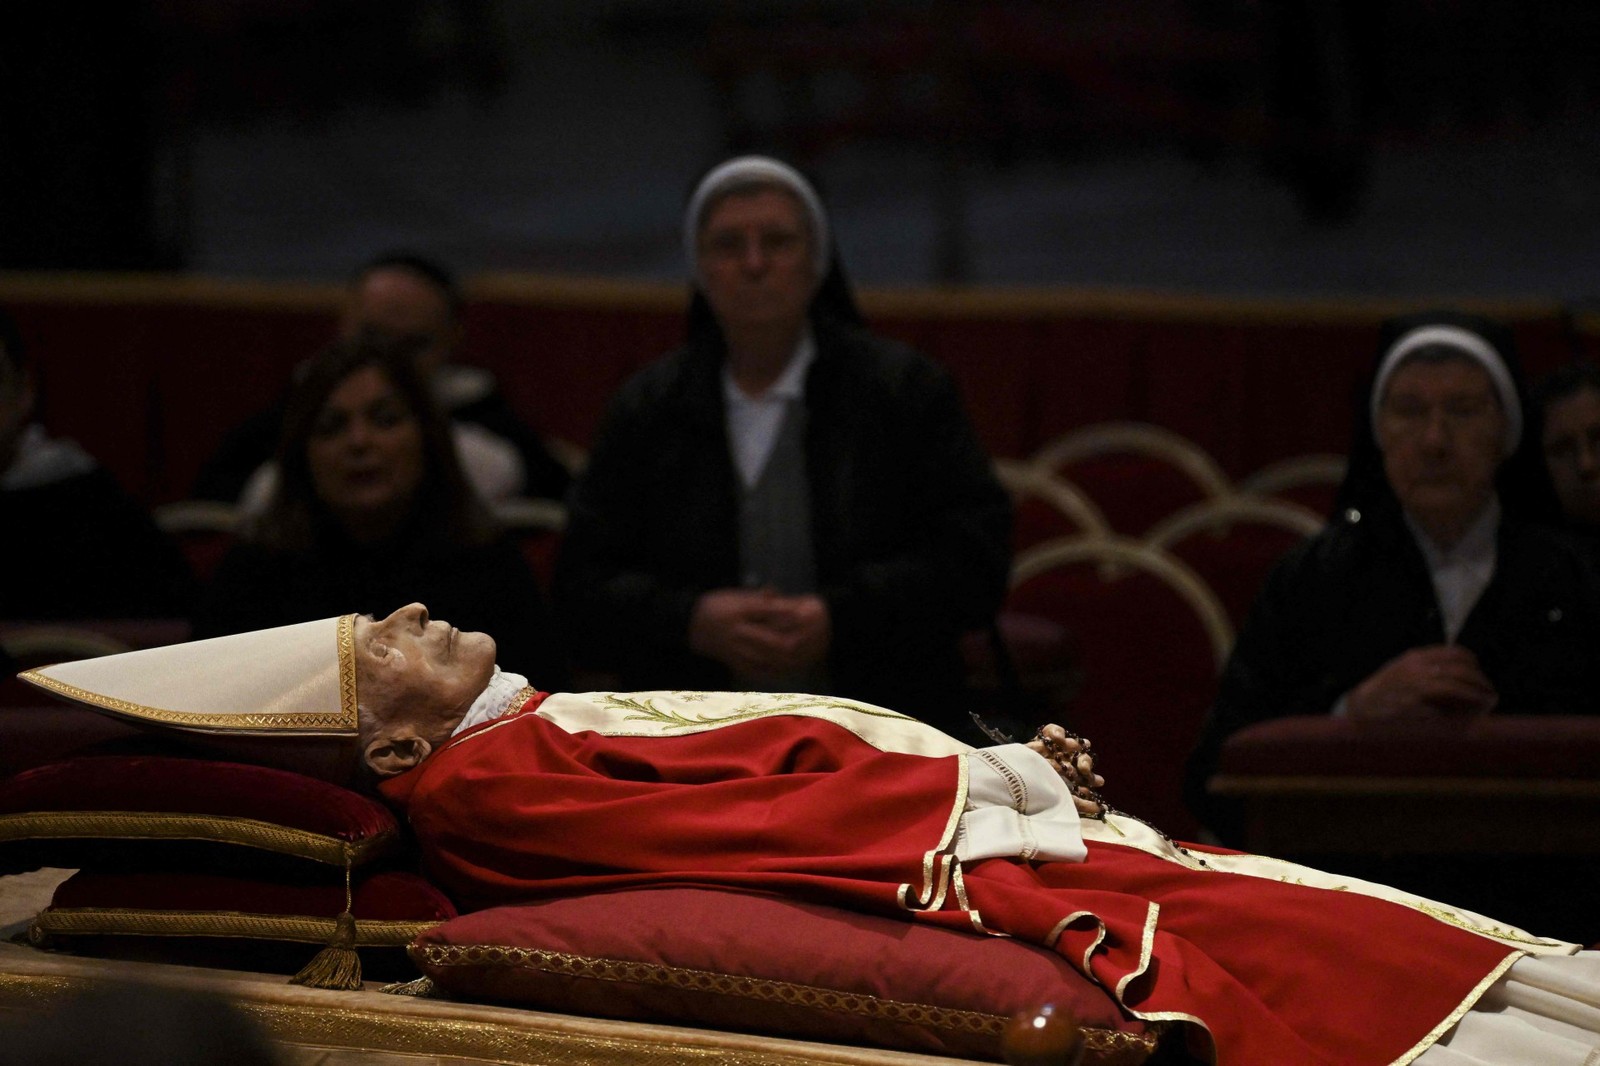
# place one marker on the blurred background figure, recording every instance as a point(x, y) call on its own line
point(77, 545)
point(1435, 590)
point(139, 1025)
point(371, 511)
point(788, 502)
point(1566, 420)
point(400, 296)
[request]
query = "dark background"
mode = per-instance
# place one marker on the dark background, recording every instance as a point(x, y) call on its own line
point(1426, 148)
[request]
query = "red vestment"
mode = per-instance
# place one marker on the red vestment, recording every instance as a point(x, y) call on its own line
point(1278, 973)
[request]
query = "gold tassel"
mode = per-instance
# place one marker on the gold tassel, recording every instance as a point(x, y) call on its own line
point(337, 965)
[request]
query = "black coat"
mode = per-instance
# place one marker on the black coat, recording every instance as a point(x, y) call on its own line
point(1358, 594)
point(80, 547)
point(909, 526)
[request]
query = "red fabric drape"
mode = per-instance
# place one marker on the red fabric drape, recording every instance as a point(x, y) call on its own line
point(1277, 972)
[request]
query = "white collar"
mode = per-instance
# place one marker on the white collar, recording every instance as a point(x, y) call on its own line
point(44, 460)
point(1477, 542)
point(493, 701)
point(790, 385)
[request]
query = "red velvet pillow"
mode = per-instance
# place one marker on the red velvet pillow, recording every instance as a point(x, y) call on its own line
point(758, 963)
point(100, 810)
point(390, 907)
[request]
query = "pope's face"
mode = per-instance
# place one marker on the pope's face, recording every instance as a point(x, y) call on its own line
point(1442, 433)
point(420, 663)
point(365, 452)
point(1572, 454)
point(755, 261)
point(423, 671)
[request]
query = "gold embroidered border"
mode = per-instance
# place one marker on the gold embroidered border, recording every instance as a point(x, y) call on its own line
point(1460, 1012)
point(86, 921)
point(349, 699)
point(307, 722)
point(248, 832)
point(768, 991)
point(793, 703)
point(1147, 941)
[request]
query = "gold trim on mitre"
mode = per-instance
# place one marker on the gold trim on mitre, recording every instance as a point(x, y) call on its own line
point(297, 680)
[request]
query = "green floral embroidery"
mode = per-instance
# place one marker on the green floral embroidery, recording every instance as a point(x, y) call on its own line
point(647, 709)
point(1494, 931)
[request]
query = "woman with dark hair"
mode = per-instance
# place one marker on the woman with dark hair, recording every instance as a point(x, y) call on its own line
point(370, 501)
point(787, 501)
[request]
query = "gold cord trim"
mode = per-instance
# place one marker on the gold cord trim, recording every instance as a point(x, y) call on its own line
point(1147, 942)
point(1054, 936)
point(310, 723)
point(1456, 1015)
point(87, 921)
point(248, 832)
point(784, 992)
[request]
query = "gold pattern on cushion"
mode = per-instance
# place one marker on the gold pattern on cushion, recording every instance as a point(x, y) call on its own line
point(597, 969)
point(1097, 1041)
point(754, 962)
point(249, 832)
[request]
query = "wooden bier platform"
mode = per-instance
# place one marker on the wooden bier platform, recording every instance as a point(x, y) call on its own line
point(306, 1026)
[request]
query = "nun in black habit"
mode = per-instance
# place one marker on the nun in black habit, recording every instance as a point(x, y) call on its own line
point(787, 502)
point(1435, 589)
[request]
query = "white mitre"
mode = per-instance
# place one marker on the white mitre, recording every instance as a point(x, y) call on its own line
point(272, 695)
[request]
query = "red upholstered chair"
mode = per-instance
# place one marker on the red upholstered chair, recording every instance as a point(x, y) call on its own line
point(1044, 506)
point(1032, 674)
point(1522, 784)
point(1135, 473)
point(43, 643)
point(537, 525)
point(1309, 480)
point(204, 529)
point(1150, 638)
point(1233, 542)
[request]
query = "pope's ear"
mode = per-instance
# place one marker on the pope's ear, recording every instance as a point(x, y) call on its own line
point(390, 755)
